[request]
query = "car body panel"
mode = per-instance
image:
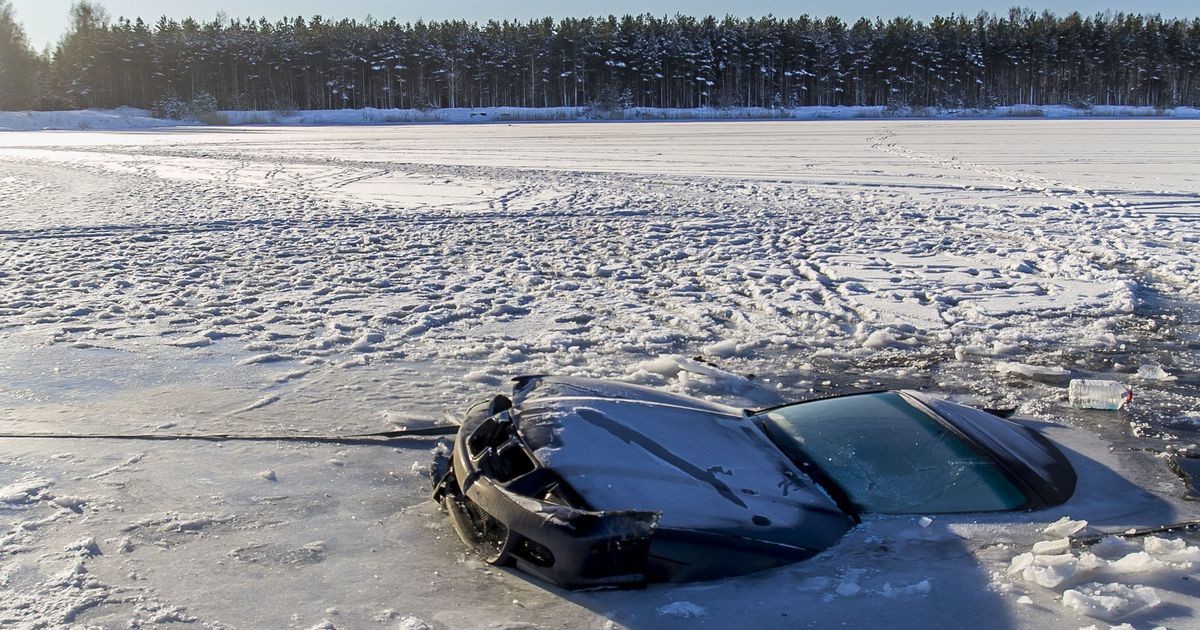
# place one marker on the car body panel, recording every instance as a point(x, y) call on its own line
point(1029, 458)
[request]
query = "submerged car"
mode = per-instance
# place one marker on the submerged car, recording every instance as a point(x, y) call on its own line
point(589, 483)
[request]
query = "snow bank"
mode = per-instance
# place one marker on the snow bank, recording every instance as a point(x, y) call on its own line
point(512, 114)
point(132, 118)
point(120, 118)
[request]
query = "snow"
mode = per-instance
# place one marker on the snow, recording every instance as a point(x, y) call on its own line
point(120, 118)
point(133, 118)
point(334, 279)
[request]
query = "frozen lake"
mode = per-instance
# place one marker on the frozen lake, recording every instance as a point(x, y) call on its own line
point(350, 279)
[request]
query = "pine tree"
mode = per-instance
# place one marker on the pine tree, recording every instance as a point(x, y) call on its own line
point(634, 60)
point(18, 63)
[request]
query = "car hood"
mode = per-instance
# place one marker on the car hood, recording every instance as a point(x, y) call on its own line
point(703, 466)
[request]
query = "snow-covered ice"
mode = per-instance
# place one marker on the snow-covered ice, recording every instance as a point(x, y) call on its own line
point(352, 279)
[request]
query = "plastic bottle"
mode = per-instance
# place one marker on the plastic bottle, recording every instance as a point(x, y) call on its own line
point(1098, 394)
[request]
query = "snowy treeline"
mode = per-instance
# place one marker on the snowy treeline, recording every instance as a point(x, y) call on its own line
point(630, 61)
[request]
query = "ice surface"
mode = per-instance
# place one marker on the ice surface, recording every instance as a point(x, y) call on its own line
point(324, 280)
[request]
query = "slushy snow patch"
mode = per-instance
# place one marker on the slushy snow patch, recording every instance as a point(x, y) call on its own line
point(85, 547)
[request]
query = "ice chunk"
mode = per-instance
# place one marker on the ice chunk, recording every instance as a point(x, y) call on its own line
point(665, 366)
point(885, 339)
point(1089, 561)
point(1170, 550)
point(725, 348)
point(1137, 562)
point(1109, 602)
point(1051, 571)
point(85, 547)
point(1030, 371)
point(682, 610)
point(75, 504)
point(1052, 546)
point(1113, 547)
point(1151, 372)
point(1064, 527)
point(1001, 349)
point(1020, 563)
point(199, 341)
point(269, 357)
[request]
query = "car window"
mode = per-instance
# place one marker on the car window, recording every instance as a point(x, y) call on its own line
point(890, 457)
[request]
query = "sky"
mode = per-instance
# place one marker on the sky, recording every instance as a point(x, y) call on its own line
point(45, 20)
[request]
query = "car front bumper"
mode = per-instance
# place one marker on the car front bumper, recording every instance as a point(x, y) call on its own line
point(499, 499)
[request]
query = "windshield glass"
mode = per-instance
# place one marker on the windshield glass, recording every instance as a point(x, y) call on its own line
point(890, 457)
